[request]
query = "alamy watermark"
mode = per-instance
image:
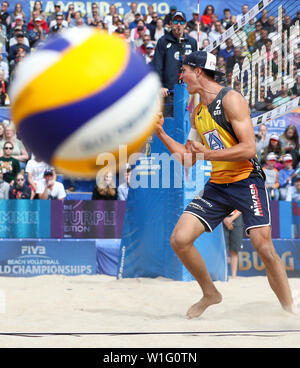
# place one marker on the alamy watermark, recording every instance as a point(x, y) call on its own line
point(155, 170)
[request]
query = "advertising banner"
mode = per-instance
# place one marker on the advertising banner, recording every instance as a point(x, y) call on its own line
point(162, 7)
point(25, 219)
point(25, 258)
point(91, 219)
point(251, 265)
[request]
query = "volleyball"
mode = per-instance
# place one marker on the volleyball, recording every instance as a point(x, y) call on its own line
point(81, 94)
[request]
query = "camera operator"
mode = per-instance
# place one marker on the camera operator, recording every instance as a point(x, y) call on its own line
point(167, 60)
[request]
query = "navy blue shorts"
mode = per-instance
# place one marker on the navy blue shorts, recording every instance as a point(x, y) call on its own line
point(218, 200)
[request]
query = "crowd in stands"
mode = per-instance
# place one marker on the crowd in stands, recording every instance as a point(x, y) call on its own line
point(19, 36)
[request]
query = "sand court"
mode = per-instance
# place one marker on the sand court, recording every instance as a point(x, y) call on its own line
point(101, 311)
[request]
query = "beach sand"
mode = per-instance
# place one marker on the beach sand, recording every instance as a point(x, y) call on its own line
point(249, 316)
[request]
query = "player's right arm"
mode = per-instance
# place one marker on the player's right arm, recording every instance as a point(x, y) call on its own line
point(181, 153)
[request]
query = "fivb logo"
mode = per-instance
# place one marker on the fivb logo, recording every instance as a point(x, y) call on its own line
point(32, 250)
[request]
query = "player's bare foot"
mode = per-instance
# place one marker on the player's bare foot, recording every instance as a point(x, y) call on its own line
point(291, 309)
point(198, 308)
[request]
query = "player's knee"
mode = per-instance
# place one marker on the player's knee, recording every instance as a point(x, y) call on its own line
point(267, 253)
point(179, 241)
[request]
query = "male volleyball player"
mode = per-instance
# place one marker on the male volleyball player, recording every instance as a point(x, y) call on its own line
point(222, 132)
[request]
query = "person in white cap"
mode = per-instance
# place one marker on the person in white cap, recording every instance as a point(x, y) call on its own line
point(286, 176)
point(222, 132)
point(272, 183)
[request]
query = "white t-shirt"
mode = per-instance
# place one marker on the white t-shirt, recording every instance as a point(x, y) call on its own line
point(37, 169)
point(57, 191)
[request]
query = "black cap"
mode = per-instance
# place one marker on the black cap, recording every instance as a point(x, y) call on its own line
point(179, 14)
point(48, 172)
point(202, 59)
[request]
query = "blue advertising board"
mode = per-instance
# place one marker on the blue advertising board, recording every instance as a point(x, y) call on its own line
point(288, 250)
point(25, 258)
point(25, 219)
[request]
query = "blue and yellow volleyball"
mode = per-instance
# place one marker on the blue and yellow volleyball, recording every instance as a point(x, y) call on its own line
point(81, 94)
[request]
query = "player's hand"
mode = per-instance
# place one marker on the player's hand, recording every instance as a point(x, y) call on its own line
point(160, 124)
point(164, 92)
point(228, 223)
point(197, 147)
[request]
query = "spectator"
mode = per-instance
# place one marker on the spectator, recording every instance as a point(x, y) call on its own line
point(105, 188)
point(282, 98)
point(136, 33)
point(4, 187)
point(108, 20)
point(9, 166)
point(19, 151)
point(18, 12)
point(295, 89)
point(272, 174)
point(245, 9)
point(3, 82)
point(2, 130)
point(148, 16)
point(13, 39)
point(20, 190)
point(169, 17)
point(49, 188)
point(152, 25)
point(273, 146)
point(159, 30)
point(80, 22)
point(124, 187)
point(215, 33)
point(193, 23)
point(206, 17)
point(226, 20)
point(262, 40)
point(38, 7)
point(149, 53)
point(133, 24)
point(221, 67)
point(130, 16)
point(114, 25)
point(38, 33)
point(142, 49)
point(285, 177)
point(235, 59)
point(5, 17)
point(70, 16)
point(200, 37)
point(263, 103)
point(286, 24)
point(264, 18)
point(36, 14)
point(18, 24)
point(35, 169)
point(52, 16)
point(290, 143)
point(293, 192)
point(233, 227)
point(4, 99)
point(139, 37)
point(59, 24)
point(297, 18)
point(167, 60)
point(13, 50)
point(254, 36)
point(249, 27)
point(270, 25)
point(120, 27)
point(262, 139)
point(228, 51)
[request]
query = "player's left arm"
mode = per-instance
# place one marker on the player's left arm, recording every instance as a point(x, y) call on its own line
point(238, 114)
